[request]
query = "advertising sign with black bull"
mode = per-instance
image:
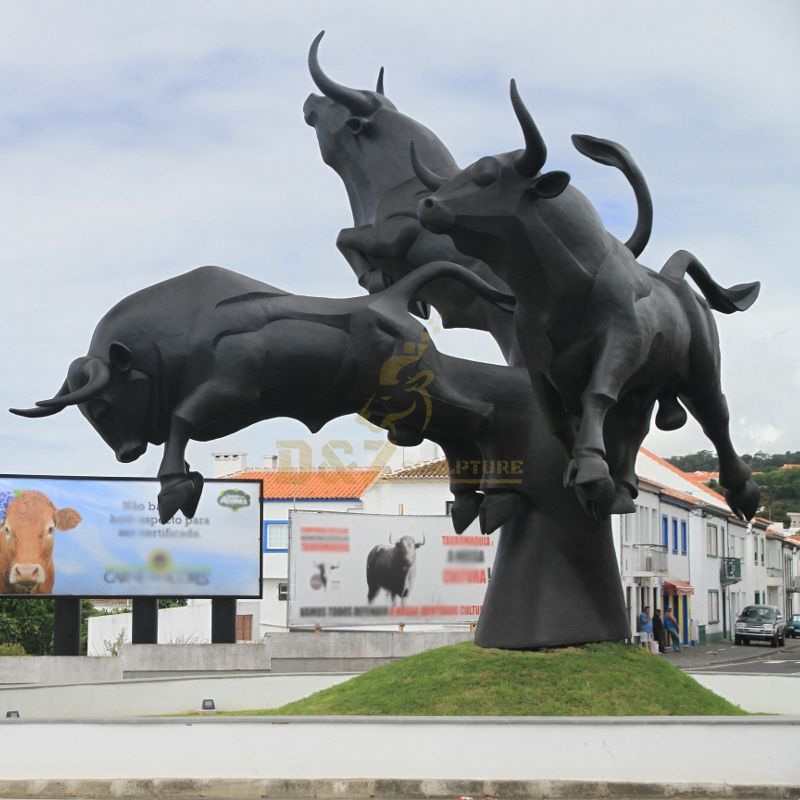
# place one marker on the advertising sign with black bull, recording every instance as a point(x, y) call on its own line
point(370, 569)
point(101, 537)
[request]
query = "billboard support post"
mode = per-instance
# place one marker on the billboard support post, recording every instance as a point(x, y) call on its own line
point(223, 620)
point(67, 626)
point(145, 620)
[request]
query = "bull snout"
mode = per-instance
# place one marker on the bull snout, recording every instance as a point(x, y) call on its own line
point(26, 575)
point(130, 452)
point(434, 216)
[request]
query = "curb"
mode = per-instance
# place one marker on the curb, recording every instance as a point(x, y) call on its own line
point(321, 789)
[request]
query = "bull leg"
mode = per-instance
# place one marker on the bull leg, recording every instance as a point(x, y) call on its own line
point(626, 426)
point(180, 488)
point(619, 356)
point(709, 407)
point(354, 244)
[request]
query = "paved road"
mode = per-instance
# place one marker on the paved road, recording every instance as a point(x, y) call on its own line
point(726, 653)
point(768, 666)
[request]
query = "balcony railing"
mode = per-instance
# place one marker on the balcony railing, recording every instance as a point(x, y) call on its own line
point(730, 571)
point(647, 558)
point(794, 584)
point(774, 572)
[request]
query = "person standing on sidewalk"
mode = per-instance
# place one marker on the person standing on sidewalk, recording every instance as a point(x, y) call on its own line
point(645, 625)
point(671, 624)
point(658, 630)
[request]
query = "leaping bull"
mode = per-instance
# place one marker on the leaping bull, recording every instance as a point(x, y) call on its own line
point(609, 336)
point(392, 568)
point(210, 352)
point(365, 139)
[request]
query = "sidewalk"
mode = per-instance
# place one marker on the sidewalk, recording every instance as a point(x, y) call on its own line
point(709, 655)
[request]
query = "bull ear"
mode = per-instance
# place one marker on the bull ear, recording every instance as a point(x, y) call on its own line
point(120, 356)
point(67, 518)
point(551, 184)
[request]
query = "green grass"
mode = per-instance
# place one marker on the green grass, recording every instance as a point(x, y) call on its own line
point(593, 680)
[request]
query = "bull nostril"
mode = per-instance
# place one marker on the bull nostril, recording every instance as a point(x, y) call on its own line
point(428, 203)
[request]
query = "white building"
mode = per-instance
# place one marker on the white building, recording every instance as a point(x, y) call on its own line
point(682, 548)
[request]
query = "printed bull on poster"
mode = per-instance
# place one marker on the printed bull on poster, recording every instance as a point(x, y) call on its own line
point(370, 569)
point(101, 537)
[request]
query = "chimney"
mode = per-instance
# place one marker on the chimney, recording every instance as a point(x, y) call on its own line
point(228, 463)
point(271, 462)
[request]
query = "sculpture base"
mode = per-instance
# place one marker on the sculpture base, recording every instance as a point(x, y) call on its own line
point(555, 582)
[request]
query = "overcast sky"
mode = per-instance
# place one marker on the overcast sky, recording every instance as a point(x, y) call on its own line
point(139, 140)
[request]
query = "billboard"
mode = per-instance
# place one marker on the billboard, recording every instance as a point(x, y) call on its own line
point(101, 537)
point(369, 569)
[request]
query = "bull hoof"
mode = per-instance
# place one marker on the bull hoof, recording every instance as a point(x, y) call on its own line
point(497, 508)
point(176, 494)
point(623, 502)
point(189, 508)
point(744, 500)
point(464, 510)
point(405, 438)
point(596, 491)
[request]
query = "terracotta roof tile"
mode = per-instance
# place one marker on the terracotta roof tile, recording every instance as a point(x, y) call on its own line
point(312, 484)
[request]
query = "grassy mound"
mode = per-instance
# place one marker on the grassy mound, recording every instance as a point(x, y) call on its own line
point(593, 680)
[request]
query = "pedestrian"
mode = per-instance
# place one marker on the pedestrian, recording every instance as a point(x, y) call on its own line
point(658, 630)
point(645, 626)
point(671, 624)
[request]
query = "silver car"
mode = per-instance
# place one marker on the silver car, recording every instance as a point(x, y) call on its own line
point(761, 622)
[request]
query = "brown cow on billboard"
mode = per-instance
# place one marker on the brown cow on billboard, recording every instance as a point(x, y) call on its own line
point(26, 543)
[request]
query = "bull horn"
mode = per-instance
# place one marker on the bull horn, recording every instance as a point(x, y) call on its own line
point(419, 544)
point(96, 374)
point(379, 84)
point(42, 412)
point(532, 158)
point(427, 177)
point(354, 100)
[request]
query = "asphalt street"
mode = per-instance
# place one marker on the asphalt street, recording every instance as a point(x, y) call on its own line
point(726, 655)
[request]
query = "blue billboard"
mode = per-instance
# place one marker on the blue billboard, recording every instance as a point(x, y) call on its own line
point(101, 537)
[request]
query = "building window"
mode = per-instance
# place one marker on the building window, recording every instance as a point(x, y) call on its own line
point(712, 540)
point(448, 507)
point(758, 597)
point(674, 536)
point(755, 551)
point(276, 536)
point(713, 606)
point(283, 591)
point(684, 538)
point(664, 532)
point(762, 551)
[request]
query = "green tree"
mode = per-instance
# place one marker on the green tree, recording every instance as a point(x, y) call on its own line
point(33, 622)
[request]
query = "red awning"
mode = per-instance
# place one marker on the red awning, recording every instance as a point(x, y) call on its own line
point(678, 587)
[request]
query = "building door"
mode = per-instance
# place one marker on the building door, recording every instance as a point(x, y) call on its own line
point(244, 627)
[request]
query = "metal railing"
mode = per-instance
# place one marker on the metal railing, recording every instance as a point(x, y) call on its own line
point(647, 558)
point(730, 570)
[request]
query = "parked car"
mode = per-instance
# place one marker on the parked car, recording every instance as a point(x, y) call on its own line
point(765, 623)
point(793, 626)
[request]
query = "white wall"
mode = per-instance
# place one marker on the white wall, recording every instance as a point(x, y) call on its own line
point(454, 749)
point(190, 624)
point(407, 497)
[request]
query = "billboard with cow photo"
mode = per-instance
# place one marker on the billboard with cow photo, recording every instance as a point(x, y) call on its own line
point(369, 569)
point(101, 537)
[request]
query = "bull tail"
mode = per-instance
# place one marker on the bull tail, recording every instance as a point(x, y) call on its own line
point(612, 154)
point(735, 298)
point(405, 289)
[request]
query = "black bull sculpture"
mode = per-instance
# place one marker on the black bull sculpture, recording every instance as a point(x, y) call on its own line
point(239, 351)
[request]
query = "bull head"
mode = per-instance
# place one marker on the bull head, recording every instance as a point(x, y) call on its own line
point(110, 394)
point(365, 139)
point(489, 190)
